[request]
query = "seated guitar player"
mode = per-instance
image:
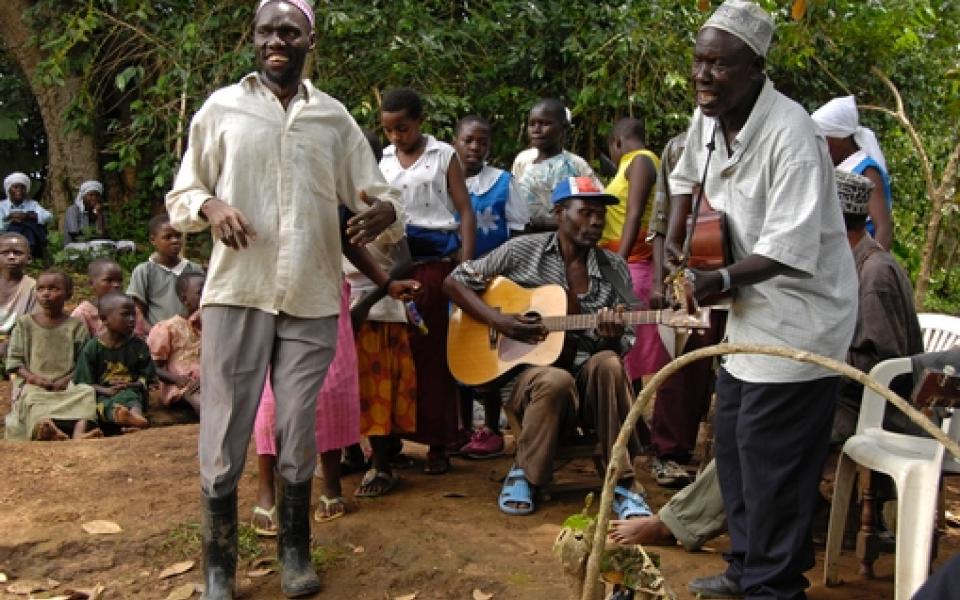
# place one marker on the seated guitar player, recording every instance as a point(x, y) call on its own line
point(587, 388)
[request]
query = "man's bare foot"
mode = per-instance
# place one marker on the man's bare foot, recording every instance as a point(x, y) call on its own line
point(47, 431)
point(647, 531)
point(125, 417)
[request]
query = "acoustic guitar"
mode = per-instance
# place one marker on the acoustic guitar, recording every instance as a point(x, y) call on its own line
point(477, 353)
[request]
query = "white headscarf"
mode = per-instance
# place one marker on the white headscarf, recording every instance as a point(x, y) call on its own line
point(839, 119)
point(13, 179)
point(87, 186)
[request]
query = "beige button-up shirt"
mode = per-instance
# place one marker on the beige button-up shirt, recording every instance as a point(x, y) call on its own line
point(286, 171)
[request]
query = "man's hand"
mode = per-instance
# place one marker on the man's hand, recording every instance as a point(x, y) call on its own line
point(522, 328)
point(228, 224)
point(364, 227)
point(610, 322)
point(21, 216)
point(404, 289)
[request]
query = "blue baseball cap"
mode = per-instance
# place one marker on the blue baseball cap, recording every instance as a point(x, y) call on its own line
point(586, 188)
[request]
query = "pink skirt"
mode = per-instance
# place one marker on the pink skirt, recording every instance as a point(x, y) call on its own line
point(648, 353)
point(338, 404)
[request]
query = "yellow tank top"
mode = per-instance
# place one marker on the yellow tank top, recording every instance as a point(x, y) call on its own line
point(617, 213)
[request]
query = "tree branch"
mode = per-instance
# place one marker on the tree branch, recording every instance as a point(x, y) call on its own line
point(629, 424)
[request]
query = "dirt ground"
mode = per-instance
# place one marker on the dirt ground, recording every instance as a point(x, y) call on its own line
point(439, 537)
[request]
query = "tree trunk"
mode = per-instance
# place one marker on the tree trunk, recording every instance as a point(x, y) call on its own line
point(71, 156)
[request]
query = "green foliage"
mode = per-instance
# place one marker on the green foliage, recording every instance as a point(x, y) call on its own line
point(23, 143)
point(147, 66)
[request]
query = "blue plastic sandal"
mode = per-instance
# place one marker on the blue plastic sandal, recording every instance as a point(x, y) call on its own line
point(516, 489)
point(629, 504)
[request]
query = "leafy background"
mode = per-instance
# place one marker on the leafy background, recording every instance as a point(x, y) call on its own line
point(146, 65)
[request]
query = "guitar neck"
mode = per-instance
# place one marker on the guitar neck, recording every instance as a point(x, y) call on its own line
point(573, 322)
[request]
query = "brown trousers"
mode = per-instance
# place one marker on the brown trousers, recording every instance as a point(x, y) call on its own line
point(551, 405)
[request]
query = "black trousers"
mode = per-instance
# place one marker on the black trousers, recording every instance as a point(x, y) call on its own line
point(771, 443)
point(944, 584)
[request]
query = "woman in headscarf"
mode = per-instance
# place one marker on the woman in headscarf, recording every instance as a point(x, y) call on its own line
point(20, 214)
point(855, 149)
point(84, 218)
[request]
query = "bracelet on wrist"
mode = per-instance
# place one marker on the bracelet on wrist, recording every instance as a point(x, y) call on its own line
point(725, 276)
point(386, 285)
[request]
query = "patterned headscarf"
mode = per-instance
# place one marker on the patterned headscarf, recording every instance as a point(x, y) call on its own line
point(302, 5)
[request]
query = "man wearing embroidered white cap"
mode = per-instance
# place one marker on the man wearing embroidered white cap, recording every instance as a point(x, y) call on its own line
point(268, 161)
point(855, 149)
point(795, 285)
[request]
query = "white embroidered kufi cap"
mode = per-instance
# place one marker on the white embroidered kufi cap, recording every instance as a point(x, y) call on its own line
point(745, 20)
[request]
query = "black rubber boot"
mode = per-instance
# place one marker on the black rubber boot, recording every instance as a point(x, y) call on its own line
point(297, 575)
point(219, 546)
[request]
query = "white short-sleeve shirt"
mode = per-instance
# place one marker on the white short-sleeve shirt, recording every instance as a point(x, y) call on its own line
point(423, 185)
point(778, 192)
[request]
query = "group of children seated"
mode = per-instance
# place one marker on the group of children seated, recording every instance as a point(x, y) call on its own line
point(90, 373)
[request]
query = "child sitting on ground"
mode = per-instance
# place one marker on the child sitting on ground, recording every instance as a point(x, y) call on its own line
point(17, 289)
point(43, 354)
point(153, 283)
point(541, 167)
point(104, 276)
point(118, 366)
point(175, 346)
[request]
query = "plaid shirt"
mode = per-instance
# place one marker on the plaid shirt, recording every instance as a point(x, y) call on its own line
point(535, 260)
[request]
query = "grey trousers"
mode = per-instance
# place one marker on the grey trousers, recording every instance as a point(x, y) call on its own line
point(695, 514)
point(238, 344)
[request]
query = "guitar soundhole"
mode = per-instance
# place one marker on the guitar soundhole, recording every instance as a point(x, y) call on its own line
point(511, 349)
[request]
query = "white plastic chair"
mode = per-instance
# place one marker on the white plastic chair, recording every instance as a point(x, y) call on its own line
point(912, 462)
point(942, 332)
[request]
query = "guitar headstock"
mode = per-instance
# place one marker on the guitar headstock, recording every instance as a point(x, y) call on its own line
point(699, 318)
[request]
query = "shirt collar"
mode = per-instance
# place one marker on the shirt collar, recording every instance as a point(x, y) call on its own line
point(432, 146)
point(254, 81)
point(176, 270)
point(593, 268)
point(756, 121)
point(480, 183)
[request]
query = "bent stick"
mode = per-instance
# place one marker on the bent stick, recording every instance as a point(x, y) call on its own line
point(620, 446)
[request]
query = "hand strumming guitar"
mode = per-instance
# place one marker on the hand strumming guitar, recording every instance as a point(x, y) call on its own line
point(522, 328)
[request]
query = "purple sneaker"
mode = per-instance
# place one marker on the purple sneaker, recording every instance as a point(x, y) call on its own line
point(483, 444)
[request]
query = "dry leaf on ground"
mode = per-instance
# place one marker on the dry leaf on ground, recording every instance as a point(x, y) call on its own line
point(182, 592)
point(412, 596)
point(28, 586)
point(101, 527)
point(177, 569)
point(263, 561)
point(479, 594)
point(261, 572)
point(3, 577)
point(359, 550)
